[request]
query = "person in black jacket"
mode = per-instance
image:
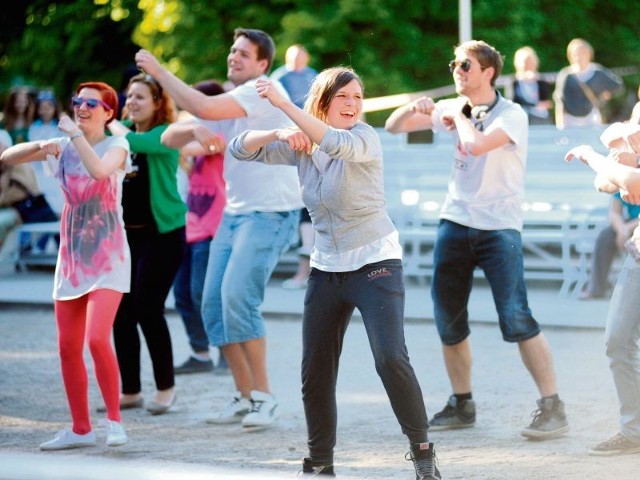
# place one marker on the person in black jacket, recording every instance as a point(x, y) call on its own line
point(529, 90)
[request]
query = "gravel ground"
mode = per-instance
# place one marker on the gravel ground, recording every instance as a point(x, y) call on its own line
point(370, 445)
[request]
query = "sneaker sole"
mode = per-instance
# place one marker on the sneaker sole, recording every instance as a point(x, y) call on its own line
point(117, 443)
point(68, 446)
point(537, 435)
point(224, 421)
point(611, 453)
point(440, 428)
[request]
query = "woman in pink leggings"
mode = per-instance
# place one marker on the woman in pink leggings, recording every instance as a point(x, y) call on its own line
point(93, 267)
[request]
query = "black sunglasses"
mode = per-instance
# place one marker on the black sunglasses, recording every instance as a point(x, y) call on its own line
point(465, 65)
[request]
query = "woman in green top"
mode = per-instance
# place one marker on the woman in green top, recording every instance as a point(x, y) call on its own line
point(154, 216)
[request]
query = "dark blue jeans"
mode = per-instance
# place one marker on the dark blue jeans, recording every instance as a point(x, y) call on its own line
point(458, 251)
point(187, 290)
point(377, 291)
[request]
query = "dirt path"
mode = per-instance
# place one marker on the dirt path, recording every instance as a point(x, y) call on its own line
point(370, 445)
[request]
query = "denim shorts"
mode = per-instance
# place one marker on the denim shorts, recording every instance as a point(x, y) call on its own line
point(458, 251)
point(242, 256)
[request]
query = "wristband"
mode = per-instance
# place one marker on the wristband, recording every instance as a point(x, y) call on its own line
point(76, 135)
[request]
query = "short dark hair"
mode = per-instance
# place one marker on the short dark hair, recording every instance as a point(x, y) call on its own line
point(262, 40)
point(209, 87)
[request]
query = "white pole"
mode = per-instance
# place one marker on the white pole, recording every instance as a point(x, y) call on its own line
point(464, 20)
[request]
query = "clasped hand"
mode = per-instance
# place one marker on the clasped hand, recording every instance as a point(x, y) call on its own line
point(296, 139)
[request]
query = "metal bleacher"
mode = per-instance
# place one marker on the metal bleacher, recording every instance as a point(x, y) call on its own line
point(563, 213)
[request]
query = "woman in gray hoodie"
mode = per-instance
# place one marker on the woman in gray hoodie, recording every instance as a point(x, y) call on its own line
point(356, 260)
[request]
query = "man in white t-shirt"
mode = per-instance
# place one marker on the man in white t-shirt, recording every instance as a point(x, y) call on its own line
point(480, 226)
point(259, 223)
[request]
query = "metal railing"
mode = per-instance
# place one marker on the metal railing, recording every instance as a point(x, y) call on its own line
point(504, 82)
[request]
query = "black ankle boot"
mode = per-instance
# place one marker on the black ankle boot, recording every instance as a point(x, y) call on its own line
point(311, 470)
point(423, 456)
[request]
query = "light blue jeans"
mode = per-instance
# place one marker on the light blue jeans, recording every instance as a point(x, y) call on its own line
point(622, 340)
point(243, 254)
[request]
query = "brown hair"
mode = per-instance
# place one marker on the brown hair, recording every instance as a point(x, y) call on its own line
point(486, 55)
point(108, 94)
point(324, 88)
point(166, 111)
point(10, 116)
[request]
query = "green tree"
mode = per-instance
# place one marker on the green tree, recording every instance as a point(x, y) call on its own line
point(396, 46)
point(60, 44)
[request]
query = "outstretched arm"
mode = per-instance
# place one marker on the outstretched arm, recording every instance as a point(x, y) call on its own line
point(413, 116)
point(218, 107)
point(313, 127)
point(178, 135)
point(611, 175)
point(30, 152)
point(98, 167)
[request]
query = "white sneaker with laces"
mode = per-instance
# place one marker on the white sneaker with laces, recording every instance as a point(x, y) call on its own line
point(66, 439)
point(116, 434)
point(232, 413)
point(263, 411)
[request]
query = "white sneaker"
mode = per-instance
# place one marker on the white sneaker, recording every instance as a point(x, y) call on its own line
point(66, 439)
point(263, 410)
point(232, 413)
point(116, 435)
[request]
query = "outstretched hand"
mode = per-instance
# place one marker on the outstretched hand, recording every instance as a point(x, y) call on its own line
point(579, 153)
point(148, 63)
point(266, 89)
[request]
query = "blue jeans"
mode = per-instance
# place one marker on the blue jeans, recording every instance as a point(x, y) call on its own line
point(243, 254)
point(377, 291)
point(458, 251)
point(622, 339)
point(187, 290)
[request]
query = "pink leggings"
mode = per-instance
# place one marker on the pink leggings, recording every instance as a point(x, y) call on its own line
point(93, 313)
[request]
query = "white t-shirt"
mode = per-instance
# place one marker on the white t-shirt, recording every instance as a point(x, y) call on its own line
point(94, 253)
point(254, 186)
point(486, 192)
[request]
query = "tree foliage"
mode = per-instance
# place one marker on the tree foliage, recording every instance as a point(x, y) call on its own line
point(59, 44)
point(395, 45)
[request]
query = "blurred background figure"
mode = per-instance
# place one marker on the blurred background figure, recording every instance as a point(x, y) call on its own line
point(635, 113)
point(18, 114)
point(205, 198)
point(529, 90)
point(296, 77)
point(45, 127)
point(583, 88)
point(623, 219)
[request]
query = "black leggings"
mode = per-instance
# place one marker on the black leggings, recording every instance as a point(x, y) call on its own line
point(155, 259)
point(377, 291)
